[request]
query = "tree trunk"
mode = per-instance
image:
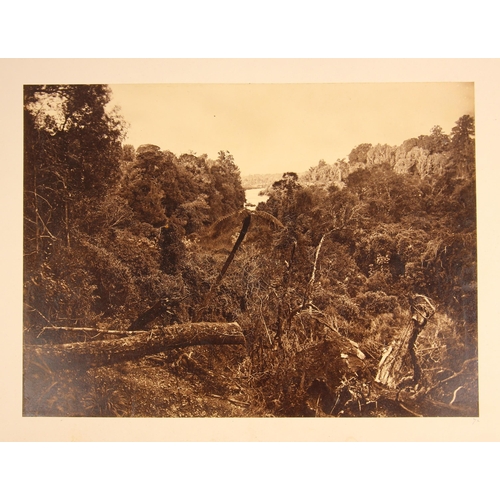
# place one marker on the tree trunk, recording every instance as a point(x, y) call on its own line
point(84, 355)
point(69, 334)
point(244, 229)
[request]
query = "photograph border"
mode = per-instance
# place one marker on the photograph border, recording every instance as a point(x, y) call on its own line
point(484, 73)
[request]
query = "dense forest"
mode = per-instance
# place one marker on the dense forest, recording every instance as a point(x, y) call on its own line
point(351, 292)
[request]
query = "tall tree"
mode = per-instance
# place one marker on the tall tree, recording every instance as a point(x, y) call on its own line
point(72, 151)
point(463, 146)
point(227, 182)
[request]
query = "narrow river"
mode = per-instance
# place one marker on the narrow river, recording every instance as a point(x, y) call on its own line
point(252, 196)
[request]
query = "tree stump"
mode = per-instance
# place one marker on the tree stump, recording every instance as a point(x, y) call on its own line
point(400, 358)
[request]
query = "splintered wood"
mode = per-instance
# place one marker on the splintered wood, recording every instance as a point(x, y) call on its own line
point(399, 358)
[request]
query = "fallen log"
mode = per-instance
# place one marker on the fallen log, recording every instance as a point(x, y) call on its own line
point(69, 334)
point(83, 355)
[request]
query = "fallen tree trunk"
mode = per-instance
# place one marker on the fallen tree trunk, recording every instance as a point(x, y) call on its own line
point(69, 334)
point(82, 355)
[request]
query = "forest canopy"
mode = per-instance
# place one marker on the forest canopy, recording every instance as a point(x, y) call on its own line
point(322, 277)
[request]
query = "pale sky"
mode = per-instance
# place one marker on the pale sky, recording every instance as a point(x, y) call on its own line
point(271, 128)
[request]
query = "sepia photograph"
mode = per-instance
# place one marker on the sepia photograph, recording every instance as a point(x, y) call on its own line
point(250, 250)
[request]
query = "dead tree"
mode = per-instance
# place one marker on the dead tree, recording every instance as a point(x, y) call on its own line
point(219, 226)
point(399, 359)
point(83, 355)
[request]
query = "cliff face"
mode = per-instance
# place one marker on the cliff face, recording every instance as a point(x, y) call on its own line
point(419, 161)
point(380, 154)
point(408, 158)
point(324, 174)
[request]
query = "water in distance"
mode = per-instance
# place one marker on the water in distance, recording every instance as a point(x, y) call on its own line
point(253, 198)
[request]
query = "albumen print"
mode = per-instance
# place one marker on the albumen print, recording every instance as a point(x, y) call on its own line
point(250, 250)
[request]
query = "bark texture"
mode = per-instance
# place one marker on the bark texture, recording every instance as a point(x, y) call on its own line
point(82, 355)
point(400, 358)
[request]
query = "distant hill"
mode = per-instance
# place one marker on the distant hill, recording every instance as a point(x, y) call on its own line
point(262, 181)
point(255, 181)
